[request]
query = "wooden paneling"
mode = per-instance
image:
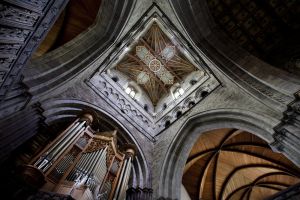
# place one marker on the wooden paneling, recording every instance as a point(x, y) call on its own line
point(234, 164)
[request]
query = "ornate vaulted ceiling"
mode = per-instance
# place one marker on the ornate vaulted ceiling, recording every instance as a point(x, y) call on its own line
point(155, 63)
point(229, 164)
point(153, 75)
point(264, 28)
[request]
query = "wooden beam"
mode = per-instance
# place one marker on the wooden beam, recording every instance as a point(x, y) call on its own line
point(254, 182)
point(214, 190)
point(203, 174)
point(249, 189)
point(235, 191)
point(287, 168)
point(227, 147)
point(148, 70)
point(249, 166)
point(157, 56)
point(273, 183)
point(249, 193)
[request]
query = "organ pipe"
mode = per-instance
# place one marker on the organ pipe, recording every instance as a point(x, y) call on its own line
point(120, 193)
point(89, 161)
point(57, 149)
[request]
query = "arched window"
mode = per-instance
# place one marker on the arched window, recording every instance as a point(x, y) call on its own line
point(131, 92)
point(178, 92)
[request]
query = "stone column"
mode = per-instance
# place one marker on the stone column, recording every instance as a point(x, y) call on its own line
point(287, 134)
point(139, 193)
point(291, 193)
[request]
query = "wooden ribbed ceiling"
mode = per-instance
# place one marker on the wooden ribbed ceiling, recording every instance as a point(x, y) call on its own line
point(230, 164)
point(155, 63)
point(74, 19)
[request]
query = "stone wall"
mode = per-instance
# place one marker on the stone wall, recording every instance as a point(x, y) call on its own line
point(253, 95)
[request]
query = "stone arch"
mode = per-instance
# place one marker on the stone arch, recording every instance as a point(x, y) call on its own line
point(207, 36)
point(68, 109)
point(62, 64)
point(178, 151)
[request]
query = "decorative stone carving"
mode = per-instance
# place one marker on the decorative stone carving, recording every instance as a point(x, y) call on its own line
point(287, 134)
point(14, 35)
point(5, 63)
point(149, 122)
point(9, 50)
point(139, 193)
point(35, 5)
point(22, 19)
point(10, 15)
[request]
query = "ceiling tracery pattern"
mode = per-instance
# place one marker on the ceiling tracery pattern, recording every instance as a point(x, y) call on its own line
point(155, 63)
point(261, 27)
point(229, 164)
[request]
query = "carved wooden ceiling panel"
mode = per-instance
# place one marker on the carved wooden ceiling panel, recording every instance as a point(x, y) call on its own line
point(234, 164)
point(155, 63)
point(260, 27)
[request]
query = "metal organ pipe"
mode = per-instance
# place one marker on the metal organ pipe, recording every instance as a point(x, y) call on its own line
point(86, 161)
point(122, 185)
point(125, 180)
point(77, 167)
point(99, 155)
point(89, 161)
point(55, 145)
point(82, 160)
point(93, 161)
point(116, 195)
point(58, 151)
point(63, 147)
point(65, 136)
point(63, 165)
point(60, 146)
point(100, 171)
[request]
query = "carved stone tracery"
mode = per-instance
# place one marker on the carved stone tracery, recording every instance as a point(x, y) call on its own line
point(21, 33)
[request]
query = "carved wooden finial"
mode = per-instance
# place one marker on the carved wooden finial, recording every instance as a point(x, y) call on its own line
point(129, 149)
point(87, 117)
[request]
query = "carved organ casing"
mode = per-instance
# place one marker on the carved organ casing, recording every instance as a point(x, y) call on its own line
point(83, 164)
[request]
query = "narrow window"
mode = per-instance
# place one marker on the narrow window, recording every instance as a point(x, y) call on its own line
point(130, 91)
point(178, 92)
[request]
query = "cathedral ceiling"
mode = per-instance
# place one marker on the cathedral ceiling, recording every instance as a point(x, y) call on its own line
point(153, 75)
point(233, 164)
point(264, 28)
point(156, 64)
point(73, 20)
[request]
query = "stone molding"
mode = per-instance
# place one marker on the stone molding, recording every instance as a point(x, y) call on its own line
point(26, 24)
point(139, 193)
point(287, 133)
